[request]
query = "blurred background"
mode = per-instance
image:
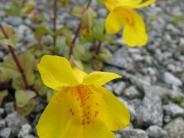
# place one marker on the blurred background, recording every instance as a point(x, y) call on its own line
point(153, 76)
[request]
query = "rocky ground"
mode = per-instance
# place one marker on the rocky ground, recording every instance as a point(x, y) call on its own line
point(152, 86)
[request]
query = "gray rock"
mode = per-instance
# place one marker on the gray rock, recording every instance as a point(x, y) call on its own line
point(156, 132)
point(9, 107)
point(5, 133)
point(136, 102)
point(136, 80)
point(171, 79)
point(131, 108)
point(102, 12)
point(131, 92)
point(2, 54)
point(182, 42)
point(150, 112)
point(137, 57)
point(2, 124)
point(175, 128)
point(122, 58)
point(29, 136)
point(1, 112)
point(118, 135)
point(118, 87)
point(15, 21)
point(25, 130)
point(134, 133)
point(163, 92)
point(173, 110)
point(15, 121)
point(173, 28)
point(167, 119)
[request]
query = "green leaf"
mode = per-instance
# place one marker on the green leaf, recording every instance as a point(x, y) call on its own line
point(3, 94)
point(12, 41)
point(15, 9)
point(49, 95)
point(40, 31)
point(87, 21)
point(82, 53)
point(23, 97)
point(77, 11)
point(64, 2)
point(105, 54)
point(28, 8)
point(98, 29)
point(28, 108)
point(28, 64)
point(8, 70)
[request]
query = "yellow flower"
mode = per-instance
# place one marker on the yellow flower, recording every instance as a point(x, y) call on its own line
point(122, 14)
point(80, 106)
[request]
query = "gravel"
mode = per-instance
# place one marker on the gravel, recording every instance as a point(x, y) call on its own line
point(132, 93)
point(9, 107)
point(171, 79)
point(150, 111)
point(5, 132)
point(156, 132)
point(175, 128)
point(173, 110)
point(134, 133)
point(15, 122)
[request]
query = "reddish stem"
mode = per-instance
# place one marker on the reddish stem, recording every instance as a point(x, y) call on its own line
point(55, 9)
point(77, 31)
point(19, 67)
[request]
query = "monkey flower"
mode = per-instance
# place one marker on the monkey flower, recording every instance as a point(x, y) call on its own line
point(122, 14)
point(80, 106)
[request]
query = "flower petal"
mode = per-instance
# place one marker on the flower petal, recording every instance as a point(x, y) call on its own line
point(99, 78)
point(79, 74)
point(114, 113)
point(113, 23)
point(53, 119)
point(61, 116)
point(112, 4)
point(97, 129)
point(144, 3)
point(134, 33)
point(56, 72)
point(72, 130)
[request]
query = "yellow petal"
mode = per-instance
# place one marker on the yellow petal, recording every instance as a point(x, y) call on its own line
point(113, 23)
point(114, 113)
point(144, 3)
point(99, 78)
point(71, 113)
point(56, 72)
point(97, 129)
point(112, 4)
point(61, 116)
point(79, 74)
point(53, 119)
point(134, 33)
point(72, 130)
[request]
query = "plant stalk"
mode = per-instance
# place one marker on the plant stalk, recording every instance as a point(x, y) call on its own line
point(55, 10)
point(76, 35)
point(17, 62)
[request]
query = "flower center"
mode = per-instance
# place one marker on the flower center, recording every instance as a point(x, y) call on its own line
point(86, 104)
